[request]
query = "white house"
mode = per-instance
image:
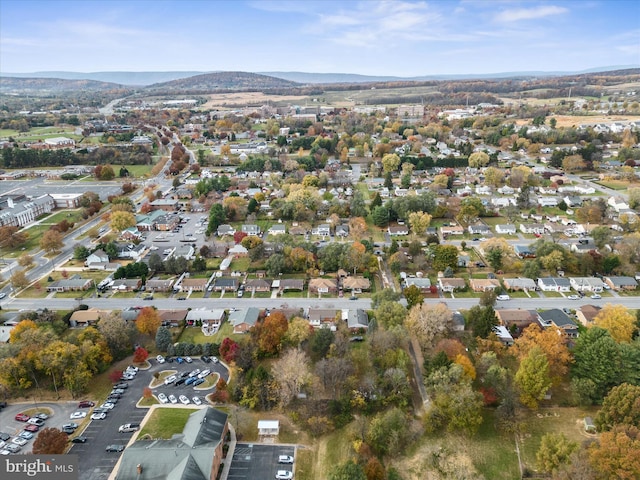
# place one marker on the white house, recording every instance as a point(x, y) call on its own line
point(548, 201)
point(586, 284)
point(534, 228)
point(506, 229)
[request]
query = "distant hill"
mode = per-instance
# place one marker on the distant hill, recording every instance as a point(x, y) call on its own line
point(122, 78)
point(53, 85)
point(209, 82)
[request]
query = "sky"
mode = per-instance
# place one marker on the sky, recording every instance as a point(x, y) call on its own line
point(402, 38)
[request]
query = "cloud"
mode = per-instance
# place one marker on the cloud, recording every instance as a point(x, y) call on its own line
point(515, 15)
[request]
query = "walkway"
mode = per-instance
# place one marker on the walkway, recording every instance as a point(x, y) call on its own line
point(229, 458)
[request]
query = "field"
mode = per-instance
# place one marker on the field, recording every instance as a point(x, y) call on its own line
point(575, 120)
point(165, 422)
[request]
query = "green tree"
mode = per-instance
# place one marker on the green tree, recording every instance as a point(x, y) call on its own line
point(555, 450)
point(380, 216)
point(620, 407)
point(533, 378)
point(384, 295)
point(531, 269)
point(81, 252)
point(388, 432)
point(275, 264)
point(478, 160)
point(163, 338)
point(413, 295)
point(445, 256)
point(494, 257)
point(390, 163)
point(320, 342)
point(216, 218)
point(347, 471)
point(481, 320)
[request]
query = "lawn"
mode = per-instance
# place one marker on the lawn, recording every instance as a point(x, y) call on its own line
point(195, 335)
point(613, 184)
point(72, 216)
point(139, 171)
point(33, 242)
point(166, 422)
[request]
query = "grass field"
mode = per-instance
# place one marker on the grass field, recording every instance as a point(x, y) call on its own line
point(166, 422)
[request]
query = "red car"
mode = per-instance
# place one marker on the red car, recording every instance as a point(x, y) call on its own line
point(22, 417)
point(86, 404)
point(32, 428)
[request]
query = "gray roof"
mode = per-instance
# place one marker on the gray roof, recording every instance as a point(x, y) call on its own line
point(357, 318)
point(188, 456)
point(558, 317)
point(244, 315)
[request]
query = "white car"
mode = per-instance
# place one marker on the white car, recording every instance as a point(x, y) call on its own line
point(173, 399)
point(204, 373)
point(170, 379)
point(77, 415)
point(573, 297)
point(194, 373)
point(160, 359)
point(214, 359)
point(188, 359)
point(196, 401)
point(98, 416)
point(162, 398)
point(184, 400)
point(596, 296)
point(503, 297)
point(20, 441)
point(2, 295)
point(108, 405)
point(285, 459)
point(284, 475)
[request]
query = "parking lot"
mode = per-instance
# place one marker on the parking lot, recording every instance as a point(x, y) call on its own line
point(258, 462)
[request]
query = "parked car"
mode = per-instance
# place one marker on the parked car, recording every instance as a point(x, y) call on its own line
point(169, 379)
point(4, 436)
point(285, 459)
point(196, 401)
point(68, 431)
point(205, 359)
point(32, 428)
point(284, 475)
point(573, 297)
point(27, 434)
point(72, 425)
point(129, 427)
point(20, 441)
point(179, 359)
point(12, 448)
point(121, 386)
point(190, 380)
point(42, 416)
point(36, 421)
point(214, 359)
point(99, 416)
point(198, 382)
point(79, 439)
point(595, 296)
point(503, 297)
point(22, 417)
point(77, 415)
point(114, 448)
point(162, 398)
point(108, 405)
point(179, 382)
point(183, 374)
point(86, 404)
point(204, 373)
point(160, 359)
point(173, 399)
point(184, 400)
point(188, 359)
point(194, 373)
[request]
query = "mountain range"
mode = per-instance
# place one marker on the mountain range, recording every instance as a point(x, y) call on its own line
point(140, 79)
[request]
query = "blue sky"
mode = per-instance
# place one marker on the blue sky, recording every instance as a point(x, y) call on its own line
point(393, 37)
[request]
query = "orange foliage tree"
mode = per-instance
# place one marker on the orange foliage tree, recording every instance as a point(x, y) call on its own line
point(148, 321)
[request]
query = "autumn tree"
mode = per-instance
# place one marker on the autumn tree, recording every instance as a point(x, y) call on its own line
point(428, 323)
point(615, 454)
point(299, 331)
point(50, 441)
point(118, 333)
point(552, 341)
point(270, 333)
point(19, 279)
point(18, 332)
point(414, 296)
point(390, 313)
point(618, 321)
point(122, 220)
point(291, 373)
point(51, 241)
point(620, 407)
point(140, 355)
point(357, 227)
point(555, 450)
point(533, 378)
point(12, 237)
point(573, 163)
point(228, 349)
point(25, 260)
point(390, 163)
point(419, 222)
point(478, 160)
point(445, 256)
point(347, 471)
point(148, 321)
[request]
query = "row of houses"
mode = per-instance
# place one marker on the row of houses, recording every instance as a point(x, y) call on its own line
point(511, 322)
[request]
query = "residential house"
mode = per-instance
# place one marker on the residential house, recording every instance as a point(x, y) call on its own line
point(244, 319)
point(322, 285)
point(506, 229)
point(342, 231)
point(129, 250)
point(126, 284)
point(195, 454)
point(238, 251)
point(424, 284)
point(193, 284)
point(621, 283)
point(323, 230)
point(73, 283)
point(618, 204)
point(463, 260)
point(516, 320)
point(322, 317)
point(277, 229)
point(210, 317)
point(548, 201)
point(251, 230)
point(484, 284)
point(557, 318)
point(524, 251)
point(158, 285)
point(586, 284)
point(397, 230)
point(285, 284)
point(172, 318)
point(480, 229)
point(587, 313)
point(356, 318)
point(448, 230)
point(98, 257)
point(554, 284)
point(185, 250)
point(131, 234)
point(84, 318)
point(503, 335)
point(225, 230)
point(519, 283)
point(572, 201)
point(258, 285)
point(532, 228)
point(225, 284)
point(449, 285)
point(356, 284)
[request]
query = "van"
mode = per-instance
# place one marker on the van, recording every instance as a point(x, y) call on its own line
point(129, 427)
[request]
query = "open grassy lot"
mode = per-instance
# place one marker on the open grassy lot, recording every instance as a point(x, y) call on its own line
point(195, 335)
point(166, 422)
point(614, 184)
point(139, 171)
point(72, 216)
